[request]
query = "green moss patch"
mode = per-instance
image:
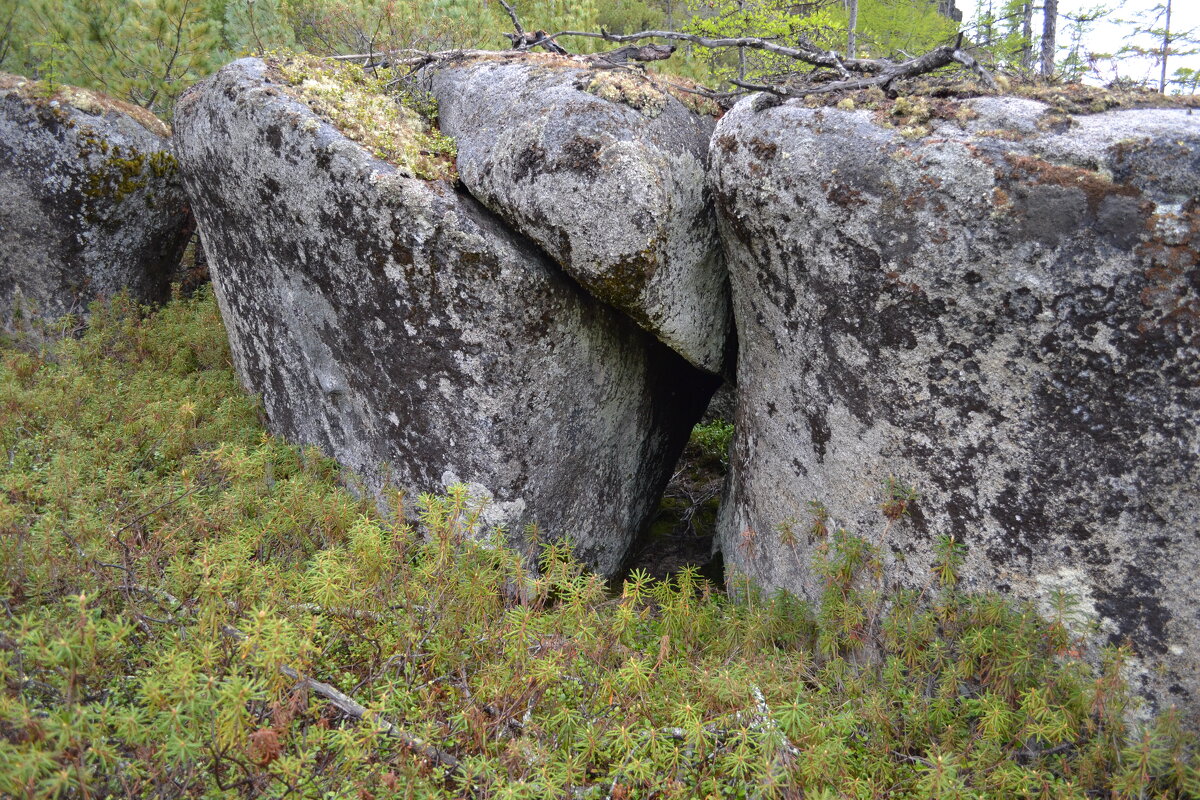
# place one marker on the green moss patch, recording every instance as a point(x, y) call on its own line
point(360, 106)
point(633, 90)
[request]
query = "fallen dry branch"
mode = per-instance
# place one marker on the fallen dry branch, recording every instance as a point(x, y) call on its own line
point(882, 71)
point(342, 701)
point(808, 53)
point(352, 708)
point(623, 55)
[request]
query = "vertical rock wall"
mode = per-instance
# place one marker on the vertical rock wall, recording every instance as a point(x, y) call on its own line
point(1001, 314)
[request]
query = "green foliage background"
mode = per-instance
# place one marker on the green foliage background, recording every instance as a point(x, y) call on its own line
point(171, 576)
point(150, 51)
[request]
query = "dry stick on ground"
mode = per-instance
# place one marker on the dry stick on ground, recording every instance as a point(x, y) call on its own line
point(344, 702)
point(352, 708)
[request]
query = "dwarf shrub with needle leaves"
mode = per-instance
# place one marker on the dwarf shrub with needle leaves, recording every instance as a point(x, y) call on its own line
point(145, 515)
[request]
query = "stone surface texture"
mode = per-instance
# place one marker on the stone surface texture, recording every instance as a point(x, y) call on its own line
point(605, 171)
point(399, 326)
point(91, 202)
point(1001, 314)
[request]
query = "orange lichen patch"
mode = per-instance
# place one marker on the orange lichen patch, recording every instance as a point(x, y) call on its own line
point(763, 149)
point(842, 195)
point(686, 92)
point(1095, 186)
point(85, 100)
point(896, 280)
point(1172, 267)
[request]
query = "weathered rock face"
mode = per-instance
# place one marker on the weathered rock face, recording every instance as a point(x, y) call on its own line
point(400, 327)
point(605, 171)
point(1002, 314)
point(90, 201)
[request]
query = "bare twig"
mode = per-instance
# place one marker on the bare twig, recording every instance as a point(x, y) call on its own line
point(352, 708)
point(512, 13)
point(934, 59)
point(806, 52)
point(869, 71)
point(623, 55)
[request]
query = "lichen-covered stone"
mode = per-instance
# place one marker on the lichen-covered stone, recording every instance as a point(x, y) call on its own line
point(90, 201)
point(1001, 314)
point(397, 324)
point(605, 171)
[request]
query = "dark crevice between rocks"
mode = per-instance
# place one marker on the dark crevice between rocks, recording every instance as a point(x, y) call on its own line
point(682, 531)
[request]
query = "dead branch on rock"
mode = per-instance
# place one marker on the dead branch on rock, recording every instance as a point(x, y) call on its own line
point(882, 71)
point(623, 55)
point(806, 52)
point(522, 40)
point(854, 73)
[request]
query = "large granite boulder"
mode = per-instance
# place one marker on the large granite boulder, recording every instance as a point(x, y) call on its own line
point(1000, 312)
point(399, 326)
point(605, 171)
point(90, 201)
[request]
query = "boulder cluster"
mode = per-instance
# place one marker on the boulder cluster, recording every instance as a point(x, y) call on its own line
point(984, 324)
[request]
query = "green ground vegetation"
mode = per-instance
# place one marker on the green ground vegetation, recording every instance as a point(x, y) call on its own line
point(180, 592)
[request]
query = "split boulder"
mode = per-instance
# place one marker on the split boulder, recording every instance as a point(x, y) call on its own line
point(605, 170)
point(399, 326)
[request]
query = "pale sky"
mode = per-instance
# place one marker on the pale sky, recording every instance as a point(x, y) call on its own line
point(1107, 34)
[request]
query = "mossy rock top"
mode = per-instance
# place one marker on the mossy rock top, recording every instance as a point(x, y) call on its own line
point(360, 107)
point(87, 101)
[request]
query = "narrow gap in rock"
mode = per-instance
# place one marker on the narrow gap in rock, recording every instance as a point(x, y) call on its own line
point(682, 532)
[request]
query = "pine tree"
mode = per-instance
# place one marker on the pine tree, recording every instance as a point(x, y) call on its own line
point(144, 51)
point(1049, 30)
point(1152, 37)
point(255, 26)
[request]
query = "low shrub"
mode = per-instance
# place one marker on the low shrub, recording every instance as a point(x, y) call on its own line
point(195, 608)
